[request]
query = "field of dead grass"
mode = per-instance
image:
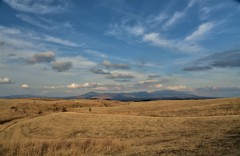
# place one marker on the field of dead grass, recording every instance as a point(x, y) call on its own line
point(167, 127)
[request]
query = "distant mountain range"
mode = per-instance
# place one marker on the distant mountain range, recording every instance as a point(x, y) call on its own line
point(140, 96)
point(134, 96)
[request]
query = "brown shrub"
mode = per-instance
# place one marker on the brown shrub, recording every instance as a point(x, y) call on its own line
point(64, 109)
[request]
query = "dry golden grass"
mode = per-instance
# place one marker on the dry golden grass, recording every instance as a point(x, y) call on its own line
point(181, 127)
point(56, 147)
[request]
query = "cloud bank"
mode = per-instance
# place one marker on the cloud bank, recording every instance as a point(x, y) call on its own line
point(226, 59)
point(5, 80)
point(120, 76)
point(108, 64)
point(41, 57)
point(61, 66)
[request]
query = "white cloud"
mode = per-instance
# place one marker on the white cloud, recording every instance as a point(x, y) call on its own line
point(101, 88)
point(214, 91)
point(42, 22)
point(191, 3)
point(12, 37)
point(174, 18)
point(32, 21)
point(158, 86)
point(154, 20)
point(51, 39)
point(61, 41)
point(37, 7)
point(52, 87)
point(178, 15)
point(95, 53)
point(49, 87)
point(25, 86)
point(116, 75)
point(125, 29)
point(177, 87)
point(156, 39)
point(73, 86)
point(204, 12)
point(148, 82)
point(98, 86)
point(207, 11)
point(5, 80)
point(202, 30)
point(106, 63)
point(83, 85)
point(24, 39)
point(16, 42)
point(12, 31)
point(135, 30)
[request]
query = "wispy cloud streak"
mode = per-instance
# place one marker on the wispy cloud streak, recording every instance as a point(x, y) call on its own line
point(37, 7)
point(202, 30)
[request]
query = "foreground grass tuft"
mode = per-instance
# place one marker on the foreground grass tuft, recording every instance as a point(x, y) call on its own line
point(61, 147)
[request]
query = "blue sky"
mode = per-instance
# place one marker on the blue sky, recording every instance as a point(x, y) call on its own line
point(62, 48)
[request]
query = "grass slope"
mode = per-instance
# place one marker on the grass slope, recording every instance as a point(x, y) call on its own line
point(186, 127)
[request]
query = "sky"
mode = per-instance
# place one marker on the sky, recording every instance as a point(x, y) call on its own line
point(71, 47)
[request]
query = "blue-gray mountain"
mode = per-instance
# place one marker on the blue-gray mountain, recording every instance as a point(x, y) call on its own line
point(140, 96)
point(134, 96)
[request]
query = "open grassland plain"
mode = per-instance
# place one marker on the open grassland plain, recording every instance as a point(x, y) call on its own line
point(52, 127)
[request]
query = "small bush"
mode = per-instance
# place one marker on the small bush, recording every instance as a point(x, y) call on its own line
point(39, 112)
point(64, 109)
point(13, 107)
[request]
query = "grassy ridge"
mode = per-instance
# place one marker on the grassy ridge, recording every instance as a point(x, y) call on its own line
point(186, 127)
